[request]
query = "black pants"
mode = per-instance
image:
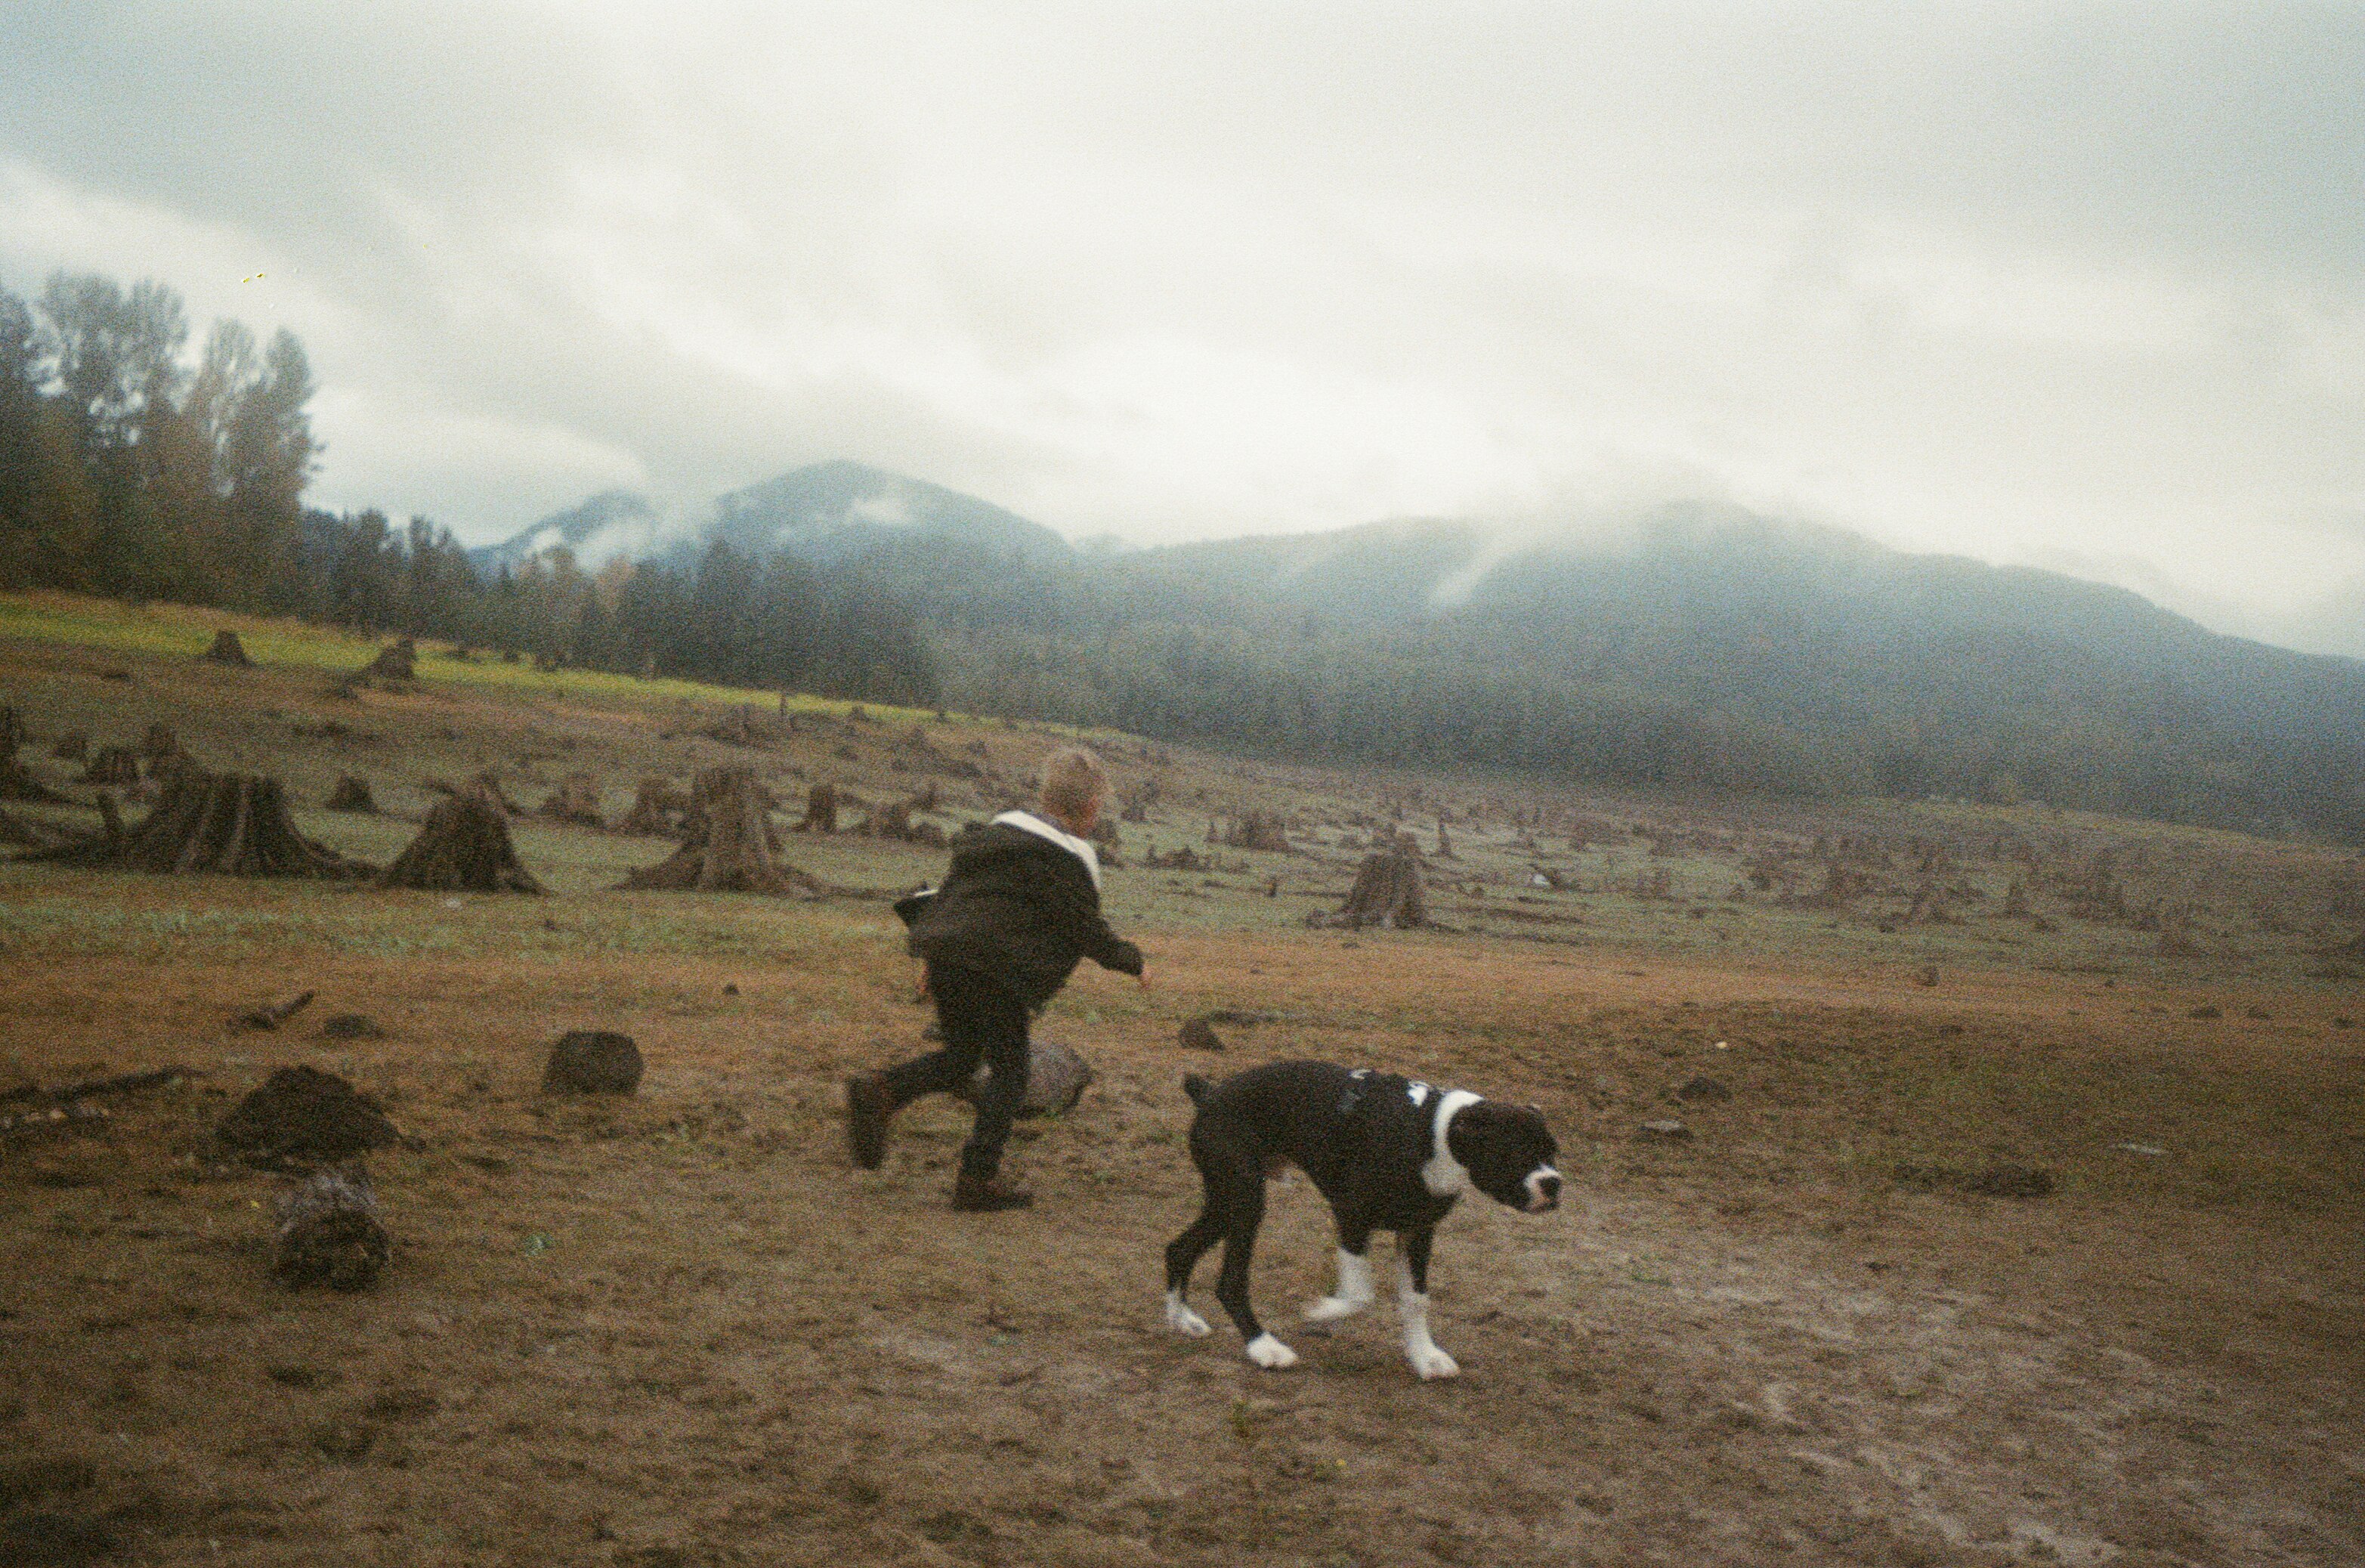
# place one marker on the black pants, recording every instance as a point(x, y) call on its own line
point(981, 1021)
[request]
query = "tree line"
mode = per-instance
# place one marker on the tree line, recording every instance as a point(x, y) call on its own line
point(125, 469)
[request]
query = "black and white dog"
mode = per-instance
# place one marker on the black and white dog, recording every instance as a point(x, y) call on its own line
point(1389, 1153)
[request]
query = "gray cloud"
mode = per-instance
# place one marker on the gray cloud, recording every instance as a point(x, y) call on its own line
point(2034, 283)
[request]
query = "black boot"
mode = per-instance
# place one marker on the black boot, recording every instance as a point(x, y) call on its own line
point(987, 1194)
point(868, 1108)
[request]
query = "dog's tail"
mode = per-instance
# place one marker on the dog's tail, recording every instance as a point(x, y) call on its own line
point(1196, 1087)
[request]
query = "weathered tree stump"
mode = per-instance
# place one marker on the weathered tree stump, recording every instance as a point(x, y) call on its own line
point(486, 783)
point(728, 843)
point(228, 650)
point(592, 1061)
point(397, 661)
point(352, 794)
point(115, 766)
point(16, 783)
point(330, 1232)
point(1387, 891)
point(1257, 830)
point(71, 746)
point(655, 809)
point(821, 810)
point(892, 820)
point(1055, 1079)
point(234, 824)
point(743, 726)
point(270, 1015)
point(303, 1115)
point(463, 846)
point(576, 801)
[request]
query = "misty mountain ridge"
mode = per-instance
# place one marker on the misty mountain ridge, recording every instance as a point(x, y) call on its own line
point(826, 514)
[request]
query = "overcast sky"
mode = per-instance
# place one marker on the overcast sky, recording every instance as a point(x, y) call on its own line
point(2077, 286)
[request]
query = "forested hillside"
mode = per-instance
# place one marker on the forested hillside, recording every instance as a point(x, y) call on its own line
point(1689, 648)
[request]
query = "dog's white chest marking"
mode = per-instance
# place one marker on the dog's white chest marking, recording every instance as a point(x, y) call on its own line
point(1418, 1092)
point(1442, 1175)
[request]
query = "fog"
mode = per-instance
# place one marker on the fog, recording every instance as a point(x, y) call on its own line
point(2068, 285)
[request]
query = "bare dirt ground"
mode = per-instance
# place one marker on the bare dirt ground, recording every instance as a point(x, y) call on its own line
point(679, 1329)
point(682, 1328)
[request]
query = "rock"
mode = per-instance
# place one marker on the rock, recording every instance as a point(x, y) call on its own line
point(1055, 1079)
point(1703, 1088)
point(351, 1027)
point(2205, 1011)
point(1928, 975)
point(1663, 1132)
point(593, 1061)
point(2258, 1016)
point(305, 1114)
point(1198, 1035)
point(2149, 1151)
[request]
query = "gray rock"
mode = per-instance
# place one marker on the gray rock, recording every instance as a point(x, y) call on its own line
point(1663, 1132)
point(593, 1061)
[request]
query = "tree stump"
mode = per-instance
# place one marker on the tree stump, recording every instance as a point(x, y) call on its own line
point(71, 746)
point(228, 650)
point(234, 824)
point(743, 726)
point(576, 801)
point(821, 810)
point(463, 846)
point(727, 843)
point(592, 1061)
point(1387, 891)
point(352, 794)
point(15, 784)
point(654, 809)
point(331, 1233)
point(1055, 1079)
point(1259, 830)
point(115, 766)
point(399, 661)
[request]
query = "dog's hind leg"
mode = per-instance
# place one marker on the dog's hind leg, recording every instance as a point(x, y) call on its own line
point(1354, 1292)
point(1243, 1208)
point(1412, 1305)
point(1182, 1255)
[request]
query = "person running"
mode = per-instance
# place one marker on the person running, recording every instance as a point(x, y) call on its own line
point(1019, 908)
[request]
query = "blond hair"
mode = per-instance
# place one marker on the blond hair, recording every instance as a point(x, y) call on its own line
point(1072, 782)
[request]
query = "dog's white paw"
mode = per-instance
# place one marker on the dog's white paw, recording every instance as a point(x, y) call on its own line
point(1430, 1361)
point(1331, 1308)
point(1271, 1353)
point(1182, 1320)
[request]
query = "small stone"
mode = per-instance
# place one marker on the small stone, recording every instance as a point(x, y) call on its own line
point(1703, 1087)
point(351, 1027)
point(2259, 1015)
point(593, 1061)
point(730, 988)
point(1198, 1035)
point(1663, 1132)
point(2149, 1151)
point(2205, 1011)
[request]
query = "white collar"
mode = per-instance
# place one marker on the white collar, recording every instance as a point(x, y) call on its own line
point(1443, 1174)
point(1082, 848)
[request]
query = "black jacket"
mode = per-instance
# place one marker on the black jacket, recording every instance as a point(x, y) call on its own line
point(1019, 909)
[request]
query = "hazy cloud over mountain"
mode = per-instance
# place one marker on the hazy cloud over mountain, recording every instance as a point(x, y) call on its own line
point(2083, 286)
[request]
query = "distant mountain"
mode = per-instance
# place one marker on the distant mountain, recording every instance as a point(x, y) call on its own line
point(831, 511)
point(612, 524)
point(828, 513)
point(1692, 647)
